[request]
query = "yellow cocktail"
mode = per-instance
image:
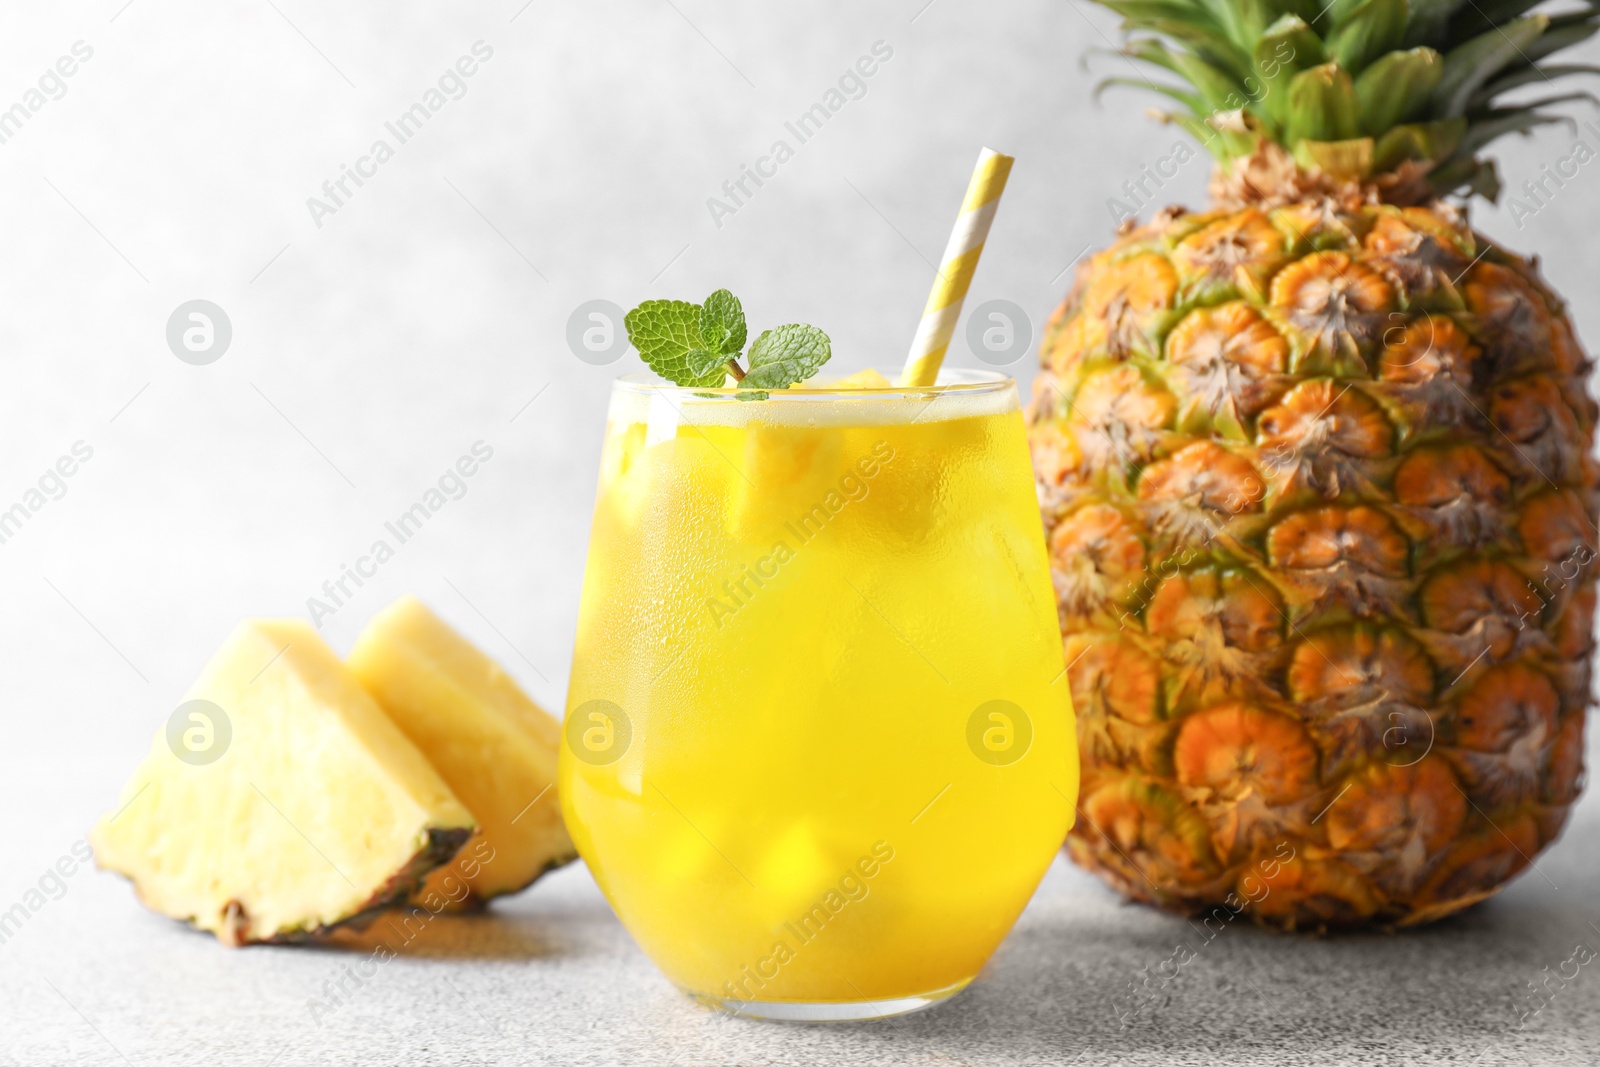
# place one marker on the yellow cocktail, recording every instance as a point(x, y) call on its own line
point(819, 746)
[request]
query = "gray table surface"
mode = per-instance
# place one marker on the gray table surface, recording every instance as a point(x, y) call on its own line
point(551, 977)
point(372, 348)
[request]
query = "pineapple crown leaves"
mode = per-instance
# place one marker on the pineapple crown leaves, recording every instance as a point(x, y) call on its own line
point(1357, 88)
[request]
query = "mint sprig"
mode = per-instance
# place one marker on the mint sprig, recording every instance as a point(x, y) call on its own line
point(699, 345)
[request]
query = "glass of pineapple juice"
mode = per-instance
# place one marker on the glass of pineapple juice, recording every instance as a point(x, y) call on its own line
point(819, 747)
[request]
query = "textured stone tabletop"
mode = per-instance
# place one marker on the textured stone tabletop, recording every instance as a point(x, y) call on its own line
point(549, 977)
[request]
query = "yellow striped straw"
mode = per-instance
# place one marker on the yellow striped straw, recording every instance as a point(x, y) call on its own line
point(956, 268)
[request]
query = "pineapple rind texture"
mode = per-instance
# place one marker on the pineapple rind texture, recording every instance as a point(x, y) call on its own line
point(1321, 507)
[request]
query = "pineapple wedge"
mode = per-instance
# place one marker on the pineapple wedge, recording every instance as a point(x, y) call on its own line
point(315, 812)
point(492, 744)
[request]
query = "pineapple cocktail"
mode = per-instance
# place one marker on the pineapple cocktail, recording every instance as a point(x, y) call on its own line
point(819, 745)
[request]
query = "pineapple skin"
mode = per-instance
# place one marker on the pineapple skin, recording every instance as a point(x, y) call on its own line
point(1317, 485)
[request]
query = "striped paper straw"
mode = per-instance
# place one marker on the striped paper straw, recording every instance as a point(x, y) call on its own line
point(956, 268)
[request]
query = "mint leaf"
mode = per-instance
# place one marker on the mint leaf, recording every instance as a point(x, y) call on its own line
point(722, 328)
point(665, 332)
point(786, 355)
point(702, 363)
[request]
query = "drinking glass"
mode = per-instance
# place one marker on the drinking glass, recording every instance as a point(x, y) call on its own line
point(818, 748)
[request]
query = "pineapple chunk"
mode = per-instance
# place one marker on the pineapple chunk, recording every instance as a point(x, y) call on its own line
point(490, 742)
point(317, 812)
point(862, 379)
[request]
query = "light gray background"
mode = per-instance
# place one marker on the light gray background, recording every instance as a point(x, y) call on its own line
point(426, 315)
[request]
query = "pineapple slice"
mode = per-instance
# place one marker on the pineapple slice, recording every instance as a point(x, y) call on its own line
point(316, 812)
point(493, 745)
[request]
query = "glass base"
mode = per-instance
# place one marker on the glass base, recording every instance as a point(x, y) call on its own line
point(828, 1011)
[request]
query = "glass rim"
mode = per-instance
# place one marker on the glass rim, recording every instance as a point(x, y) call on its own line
point(955, 381)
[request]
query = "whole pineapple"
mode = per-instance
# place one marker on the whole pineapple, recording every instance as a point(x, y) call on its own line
point(1315, 468)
